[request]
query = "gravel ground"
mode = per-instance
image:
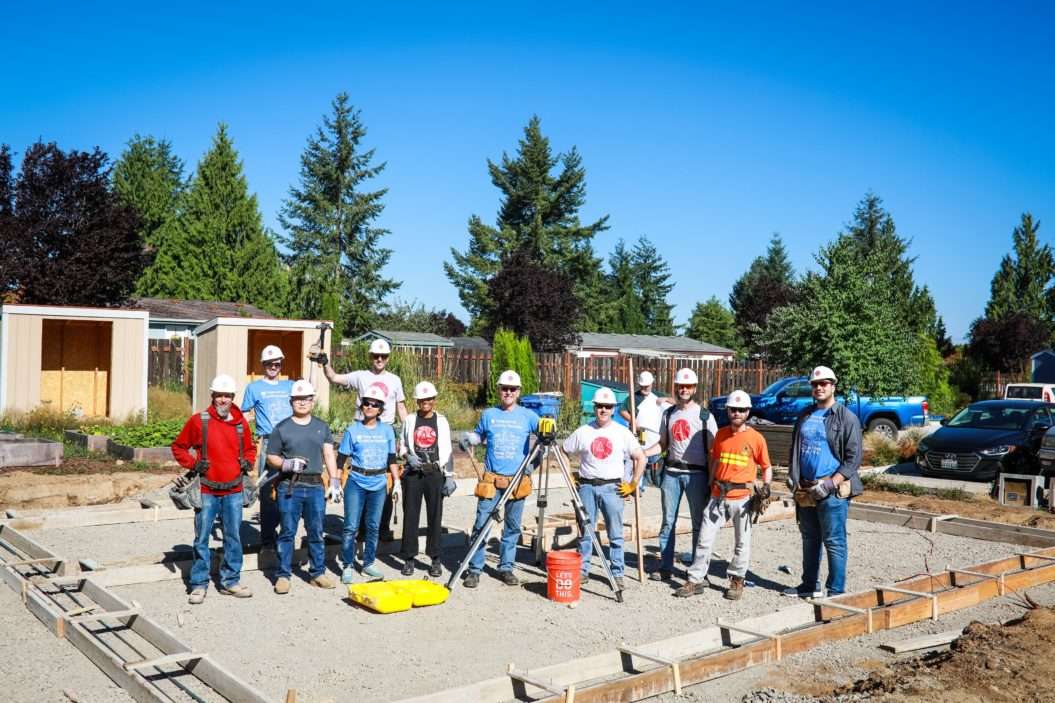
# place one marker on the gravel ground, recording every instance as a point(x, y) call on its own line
point(376, 657)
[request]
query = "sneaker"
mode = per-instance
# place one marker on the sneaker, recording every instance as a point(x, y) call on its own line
point(348, 575)
point(282, 586)
point(659, 575)
point(691, 588)
point(471, 580)
point(237, 590)
point(408, 568)
point(373, 573)
point(509, 578)
point(196, 596)
point(324, 581)
point(736, 588)
point(436, 570)
point(800, 592)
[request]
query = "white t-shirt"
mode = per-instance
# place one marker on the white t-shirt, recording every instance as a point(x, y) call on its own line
point(649, 413)
point(389, 384)
point(602, 450)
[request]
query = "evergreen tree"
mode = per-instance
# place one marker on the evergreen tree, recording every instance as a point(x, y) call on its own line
point(624, 314)
point(653, 284)
point(149, 177)
point(335, 254)
point(503, 356)
point(526, 366)
point(769, 283)
point(713, 323)
point(1023, 282)
point(539, 216)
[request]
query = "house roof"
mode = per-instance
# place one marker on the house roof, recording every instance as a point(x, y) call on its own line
point(196, 310)
point(601, 340)
point(409, 339)
point(478, 343)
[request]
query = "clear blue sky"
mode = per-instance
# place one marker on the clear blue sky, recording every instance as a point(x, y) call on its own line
point(706, 130)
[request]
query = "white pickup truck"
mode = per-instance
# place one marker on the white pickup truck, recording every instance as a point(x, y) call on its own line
point(1043, 392)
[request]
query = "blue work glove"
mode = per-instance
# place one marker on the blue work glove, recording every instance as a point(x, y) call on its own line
point(413, 460)
point(822, 489)
point(468, 441)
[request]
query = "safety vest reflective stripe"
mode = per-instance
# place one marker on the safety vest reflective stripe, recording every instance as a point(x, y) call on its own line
point(733, 459)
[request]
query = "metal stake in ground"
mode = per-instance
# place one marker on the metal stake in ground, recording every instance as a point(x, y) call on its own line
point(544, 449)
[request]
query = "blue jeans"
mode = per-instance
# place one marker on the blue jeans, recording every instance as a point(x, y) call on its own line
point(695, 486)
point(514, 509)
point(308, 502)
point(824, 527)
point(361, 507)
point(606, 498)
point(229, 509)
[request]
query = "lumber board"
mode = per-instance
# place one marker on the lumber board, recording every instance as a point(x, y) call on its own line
point(925, 642)
point(157, 662)
point(30, 547)
point(131, 681)
point(105, 615)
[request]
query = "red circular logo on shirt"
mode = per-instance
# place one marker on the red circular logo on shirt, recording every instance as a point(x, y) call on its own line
point(424, 436)
point(601, 447)
point(382, 386)
point(680, 430)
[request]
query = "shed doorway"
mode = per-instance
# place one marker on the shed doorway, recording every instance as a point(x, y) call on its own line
point(75, 366)
point(290, 344)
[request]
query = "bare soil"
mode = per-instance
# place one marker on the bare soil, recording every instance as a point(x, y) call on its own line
point(978, 508)
point(77, 484)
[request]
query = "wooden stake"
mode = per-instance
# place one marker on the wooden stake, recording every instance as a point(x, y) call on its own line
point(637, 491)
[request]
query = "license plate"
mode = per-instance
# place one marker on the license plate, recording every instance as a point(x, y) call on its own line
point(949, 461)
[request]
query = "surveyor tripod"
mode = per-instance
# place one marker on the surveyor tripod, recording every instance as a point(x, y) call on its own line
point(544, 449)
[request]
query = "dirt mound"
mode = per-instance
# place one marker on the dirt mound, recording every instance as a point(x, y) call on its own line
point(34, 489)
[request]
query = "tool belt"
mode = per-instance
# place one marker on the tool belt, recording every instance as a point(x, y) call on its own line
point(369, 472)
point(307, 479)
point(599, 481)
point(425, 469)
point(491, 483)
point(725, 486)
point(683, 466)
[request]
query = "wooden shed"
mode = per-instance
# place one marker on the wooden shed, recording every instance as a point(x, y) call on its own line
point(91, 361)
point(232, 345)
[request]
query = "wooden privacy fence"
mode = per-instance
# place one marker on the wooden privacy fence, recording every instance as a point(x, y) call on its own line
point(564, 371)
point(170, 361)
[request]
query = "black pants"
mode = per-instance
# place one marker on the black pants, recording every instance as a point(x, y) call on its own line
point(386, 518)
point(416, 485)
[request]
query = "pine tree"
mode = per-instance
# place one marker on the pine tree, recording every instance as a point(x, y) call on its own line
point(625, 308)
point(149, 177)
point(653, 285)
point(768, 284)
point(1023, 282)
point(335, 254)
point(526, 366)
point(713, 323)
point(503, 357)
point(539, 215)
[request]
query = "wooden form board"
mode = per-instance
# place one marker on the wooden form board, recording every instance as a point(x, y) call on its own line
point(75, 365)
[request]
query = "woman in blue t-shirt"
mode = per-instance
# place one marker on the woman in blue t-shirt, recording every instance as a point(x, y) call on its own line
point(371, 445)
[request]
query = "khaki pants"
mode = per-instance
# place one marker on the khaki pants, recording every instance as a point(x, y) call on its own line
point(715, 516)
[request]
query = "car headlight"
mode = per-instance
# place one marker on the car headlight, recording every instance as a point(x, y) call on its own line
point(922, 448)
point(1049, 441)
point(998, 451)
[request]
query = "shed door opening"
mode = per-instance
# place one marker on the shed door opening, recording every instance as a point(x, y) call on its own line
point(288, 342)
point(75, 366)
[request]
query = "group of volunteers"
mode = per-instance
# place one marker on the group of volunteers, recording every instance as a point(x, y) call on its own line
point(724, 475)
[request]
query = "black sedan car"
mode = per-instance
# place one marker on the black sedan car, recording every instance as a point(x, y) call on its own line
point(987, 438)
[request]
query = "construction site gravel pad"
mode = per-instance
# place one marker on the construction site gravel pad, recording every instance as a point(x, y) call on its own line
point(328, 649)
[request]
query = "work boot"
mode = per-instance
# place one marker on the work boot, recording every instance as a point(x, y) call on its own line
point(196, 597)
point(691, 588)
point(659, 575)
point(436, 570)
point(736, 588)
point(324, 581)
point(348, 575)
point(408, 568)
point(471, 580)
point(373, 573)
point(237, 590)
point(509, 578)
point(282, 586)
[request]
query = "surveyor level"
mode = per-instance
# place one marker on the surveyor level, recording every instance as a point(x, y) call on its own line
point(544, 449)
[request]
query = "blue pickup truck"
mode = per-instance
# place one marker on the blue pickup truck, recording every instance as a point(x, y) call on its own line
point(782, 401)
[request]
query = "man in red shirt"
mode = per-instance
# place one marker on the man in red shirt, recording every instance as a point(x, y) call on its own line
point(227, 454)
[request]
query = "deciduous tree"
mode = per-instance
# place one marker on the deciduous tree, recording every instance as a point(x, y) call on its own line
point(534, 301)
point(713, 323)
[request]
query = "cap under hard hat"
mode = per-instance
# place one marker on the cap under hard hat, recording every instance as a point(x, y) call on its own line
point(270, 353)
point(380, 346)
point(645, 378)
point(509, 377)
point(604, 396)
point(302, 389)
point(373, 393)
point(823, 373)
point(738, 399)
point(685, 377)
point(424, 390)
point(222, 384)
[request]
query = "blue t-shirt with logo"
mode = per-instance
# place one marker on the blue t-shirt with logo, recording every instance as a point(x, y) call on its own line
point(369, 448)
point(508, 437)
point(815, 456)
point(269, 403)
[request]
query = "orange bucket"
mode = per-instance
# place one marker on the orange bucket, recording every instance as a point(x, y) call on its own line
point(562, 567)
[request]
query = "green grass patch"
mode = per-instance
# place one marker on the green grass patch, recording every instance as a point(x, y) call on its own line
point(879, 482)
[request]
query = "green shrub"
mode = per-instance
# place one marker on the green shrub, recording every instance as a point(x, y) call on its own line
point(42, 422)
point(159, 433)
point(512, 352)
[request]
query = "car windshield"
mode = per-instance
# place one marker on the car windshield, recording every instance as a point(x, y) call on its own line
point(772, 388)
point(990, 417)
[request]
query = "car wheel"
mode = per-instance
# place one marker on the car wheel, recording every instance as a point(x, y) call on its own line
point(883, 426)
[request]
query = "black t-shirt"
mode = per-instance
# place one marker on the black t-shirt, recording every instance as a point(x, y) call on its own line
point(426, 439)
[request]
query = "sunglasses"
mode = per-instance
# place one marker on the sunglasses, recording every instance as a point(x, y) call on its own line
point(307, 399)
point(508, 389)
point(821, 384)
point(373, 404)
point(738, 410)
point(272, 363)
point(600, 406)
point(379, 356)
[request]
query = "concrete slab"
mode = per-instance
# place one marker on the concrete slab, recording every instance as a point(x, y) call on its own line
point(30, 452)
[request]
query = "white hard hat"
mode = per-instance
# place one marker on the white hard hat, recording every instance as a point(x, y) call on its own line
point(270, 353)
point(604, 396)
point(380, 346)
point(685, 377)
point(424, 390)
point(738, 399)
point(222, 384)
point(373, 393)
point(645, 378)
point(302, 389)
point(823, 373)
point(509, 377)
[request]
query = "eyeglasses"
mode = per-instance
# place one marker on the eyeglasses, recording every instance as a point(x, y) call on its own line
point(738, 410)
point(373, 404)
point(821, 384)
point(599, 406)
point(508, 389)
point(277, 362)
point(307, 399)
point(379, 356)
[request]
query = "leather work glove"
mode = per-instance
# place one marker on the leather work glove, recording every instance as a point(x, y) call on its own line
point(202, 467)
point(449, 486)
point(413, 460)
point(294, 465)
point(627, 489)
point(822, 489)
point(575, 479)
point(389, 483)
point(245, 466)
point(181, 482)
point(322, 359)
point(334, 492)
point(468, 440)
point(763, 490)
